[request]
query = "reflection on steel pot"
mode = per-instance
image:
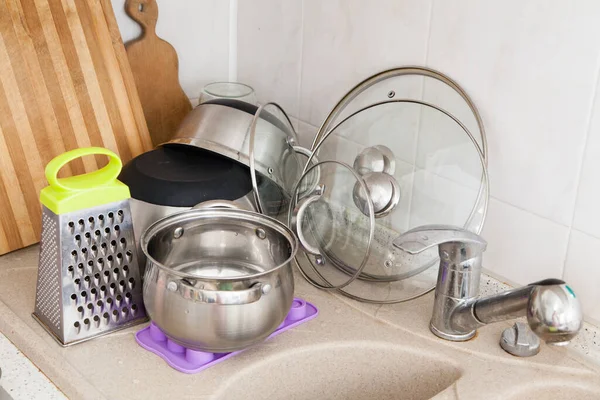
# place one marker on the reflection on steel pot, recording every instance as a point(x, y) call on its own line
point(218, 280)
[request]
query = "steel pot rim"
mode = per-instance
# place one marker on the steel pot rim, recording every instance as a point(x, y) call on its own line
point(209, 213)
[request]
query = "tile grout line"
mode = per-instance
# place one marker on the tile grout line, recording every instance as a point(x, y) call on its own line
point(418, 128)
point(301, 58)
point(581, 162)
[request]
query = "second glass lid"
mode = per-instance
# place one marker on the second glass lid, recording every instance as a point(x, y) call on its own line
point(420, 166)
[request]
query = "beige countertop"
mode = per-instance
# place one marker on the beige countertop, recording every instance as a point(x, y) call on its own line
point(350, 351)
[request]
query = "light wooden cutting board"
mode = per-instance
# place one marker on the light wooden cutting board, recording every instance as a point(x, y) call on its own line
point(65, 83)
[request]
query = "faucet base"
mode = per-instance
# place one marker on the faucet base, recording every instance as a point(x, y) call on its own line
point(454, 337)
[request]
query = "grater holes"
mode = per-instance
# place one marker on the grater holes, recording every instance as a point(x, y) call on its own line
point(110, 260)
point(71, 270)
point(122, 285)
point(87, 281)
point(124, 312)
point(131, 283)
point(118, 300)
point(80, 268)
point(103, 290)
point(91, 221)
point(117, 230)
point(99, 303)
point(48, 288)
point(128, 255)
point(100, 263)
point(84, 294)
point(127, 297)
point(109, 301)
point(125, 270)
point(77, 283)
point(116, 273)
point(80, 311)
point(119, 258)
point(90, 266)
point(78, 240)
point(134, 308)
point(106, 276)
point(88, 238)
point(123, 242)
point(96, 320)
point(94, 292)
point(120, 215)
point(112, 287)
point(81, 224)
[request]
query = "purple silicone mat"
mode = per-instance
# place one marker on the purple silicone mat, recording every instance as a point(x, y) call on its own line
point(191, 361)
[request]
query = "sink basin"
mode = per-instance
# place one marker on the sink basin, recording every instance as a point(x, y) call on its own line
point(555, 391)
point(343, 370)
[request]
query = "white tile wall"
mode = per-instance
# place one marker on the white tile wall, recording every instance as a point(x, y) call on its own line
point(345, 41)
point(270, 50)
point(531, 66)
point(582, 271)
point(532, 73)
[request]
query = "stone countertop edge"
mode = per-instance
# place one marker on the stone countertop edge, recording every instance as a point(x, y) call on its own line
point(21, 379)
point(45, 361)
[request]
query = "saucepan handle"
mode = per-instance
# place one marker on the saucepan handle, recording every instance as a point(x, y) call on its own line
point(225, 297)
point(303, 205)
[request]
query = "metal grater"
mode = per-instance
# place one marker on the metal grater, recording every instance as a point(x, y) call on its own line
point(88, 278)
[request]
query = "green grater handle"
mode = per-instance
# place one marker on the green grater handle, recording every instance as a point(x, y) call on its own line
point(86, 190)
point(107, 174)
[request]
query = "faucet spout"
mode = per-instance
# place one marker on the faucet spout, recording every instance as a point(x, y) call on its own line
point(552, 310)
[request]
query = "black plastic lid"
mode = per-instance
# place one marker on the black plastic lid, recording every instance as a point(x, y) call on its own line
point(180, 175)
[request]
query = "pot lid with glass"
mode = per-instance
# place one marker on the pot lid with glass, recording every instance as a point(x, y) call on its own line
point(420, 165)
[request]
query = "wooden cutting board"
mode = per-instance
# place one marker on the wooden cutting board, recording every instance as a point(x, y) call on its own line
point(156, 71)
point(64, 83)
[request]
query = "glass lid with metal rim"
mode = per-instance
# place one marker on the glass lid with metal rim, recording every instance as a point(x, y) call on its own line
point(330, 227)
point(410, 82)
point(273, 173)
point(421, 165)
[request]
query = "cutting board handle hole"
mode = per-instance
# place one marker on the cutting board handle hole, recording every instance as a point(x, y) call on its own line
point(141, 7)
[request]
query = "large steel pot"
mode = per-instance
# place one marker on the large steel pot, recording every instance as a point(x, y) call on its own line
point(218, 280)
point(224, 126)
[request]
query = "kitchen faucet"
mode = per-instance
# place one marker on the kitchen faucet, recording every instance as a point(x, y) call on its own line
point(551, 307)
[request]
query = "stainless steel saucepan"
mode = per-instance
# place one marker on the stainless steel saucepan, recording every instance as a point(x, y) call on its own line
point(218, 279)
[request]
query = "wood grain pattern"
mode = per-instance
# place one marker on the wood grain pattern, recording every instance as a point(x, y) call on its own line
point(64, 83)
point(155, 68)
